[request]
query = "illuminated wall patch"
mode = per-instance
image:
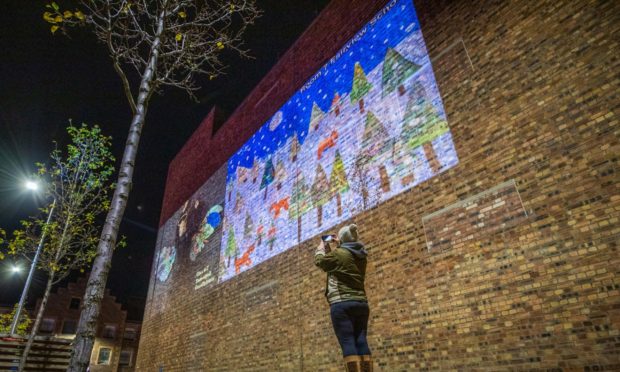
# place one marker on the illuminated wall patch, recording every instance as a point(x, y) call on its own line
point(367, 126)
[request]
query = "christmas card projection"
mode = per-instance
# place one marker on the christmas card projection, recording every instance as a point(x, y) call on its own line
point(367, 126)
point(165, 261)
point(211, 221)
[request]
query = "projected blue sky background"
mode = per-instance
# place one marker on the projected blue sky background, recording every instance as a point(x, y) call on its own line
point(393, 24)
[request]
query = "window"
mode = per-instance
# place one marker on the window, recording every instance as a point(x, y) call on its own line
point(105, 354)
point(109, 331)
point(47, 325)
point(75, 303)
point(125, 359)
point(69, 327)
point(130, 334)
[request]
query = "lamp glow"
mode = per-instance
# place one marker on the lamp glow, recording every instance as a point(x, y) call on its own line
point(32, 185)
point(16, 269)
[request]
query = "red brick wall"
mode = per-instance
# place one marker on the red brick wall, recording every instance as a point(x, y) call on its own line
point(531, 95)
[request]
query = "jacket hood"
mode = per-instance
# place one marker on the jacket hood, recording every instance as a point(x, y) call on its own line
point(356, 248)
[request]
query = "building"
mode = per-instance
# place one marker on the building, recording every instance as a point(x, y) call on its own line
point(117, 338)
point(475, 145)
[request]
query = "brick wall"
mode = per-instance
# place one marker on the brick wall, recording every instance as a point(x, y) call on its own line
point(509, 260)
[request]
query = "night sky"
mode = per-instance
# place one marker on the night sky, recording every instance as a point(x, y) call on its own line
point(46, 79)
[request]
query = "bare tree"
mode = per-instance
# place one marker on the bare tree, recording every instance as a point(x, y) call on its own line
point(166, 43)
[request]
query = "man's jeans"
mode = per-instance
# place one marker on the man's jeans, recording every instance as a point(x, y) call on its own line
point(350, 321)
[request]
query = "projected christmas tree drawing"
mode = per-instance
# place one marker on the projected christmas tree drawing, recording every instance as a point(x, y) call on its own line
point(294, 147)
point(338, 183)
point(396, 70)
point(231, 247)
point(369, 125)
point(316, 116)
point(268, 177)
point(300, 199)
point(376, 144)
point(361, 86)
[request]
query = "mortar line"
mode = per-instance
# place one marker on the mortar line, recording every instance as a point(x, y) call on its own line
point(449, 47)
point(521, 200)
point(428, 248)
point(459, 203)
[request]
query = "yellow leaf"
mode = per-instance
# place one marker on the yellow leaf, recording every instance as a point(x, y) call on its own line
point(48, 17)
point(58, 19)
point(182, 14)
point(67, 14)
point(220, 45)
point(178, 37)
point(54, 28)
point(79, 15)
point(211, 77)
point(232, 7)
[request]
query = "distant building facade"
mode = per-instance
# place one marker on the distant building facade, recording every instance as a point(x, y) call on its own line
point(116, 342)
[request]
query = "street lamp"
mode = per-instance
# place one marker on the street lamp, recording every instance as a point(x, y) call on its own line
point(15, 269)
point(31, 185)
point(34, 186)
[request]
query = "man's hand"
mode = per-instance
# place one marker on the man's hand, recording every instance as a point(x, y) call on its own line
point(323, 248)
point(327, 247)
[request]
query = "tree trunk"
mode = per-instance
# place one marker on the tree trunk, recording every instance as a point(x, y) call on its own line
point(37, 322)
point(385, 179)
point(319, 214)
point(431, 155)
point(339, 204)
point(364, 198)
point(48, 288)
point(85, 337)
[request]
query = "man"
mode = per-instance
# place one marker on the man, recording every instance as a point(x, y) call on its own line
point(346, 270)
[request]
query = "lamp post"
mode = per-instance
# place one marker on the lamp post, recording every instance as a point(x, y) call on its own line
point(31, 186)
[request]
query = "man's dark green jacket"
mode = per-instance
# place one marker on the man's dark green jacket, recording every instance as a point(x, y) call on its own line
point(346, 270)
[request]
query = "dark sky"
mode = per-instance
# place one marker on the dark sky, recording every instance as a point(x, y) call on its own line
point(47, 79)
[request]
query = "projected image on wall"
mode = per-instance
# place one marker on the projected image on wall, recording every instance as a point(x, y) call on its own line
point(367, 126)
point(165, 261)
